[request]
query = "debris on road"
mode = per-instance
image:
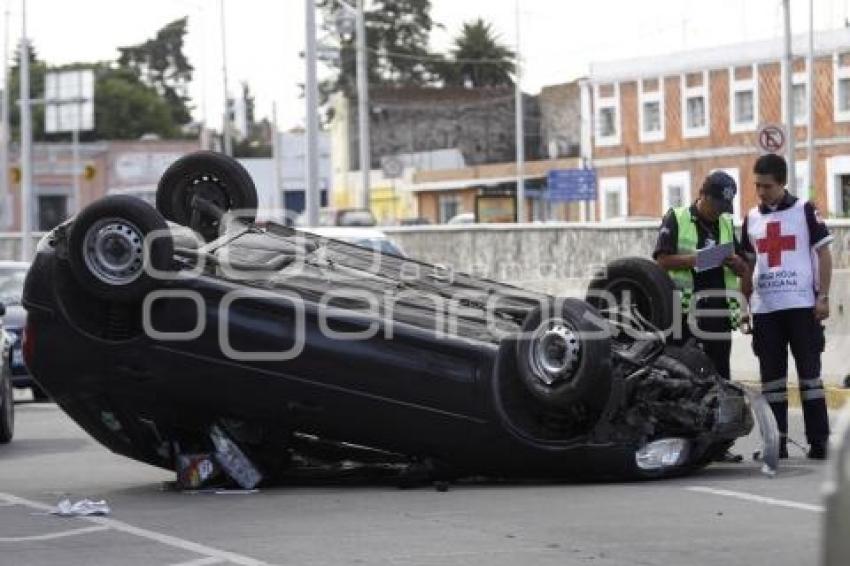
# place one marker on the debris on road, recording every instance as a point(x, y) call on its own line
point(82, 508)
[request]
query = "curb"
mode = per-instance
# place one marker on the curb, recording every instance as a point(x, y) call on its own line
point(836, 397)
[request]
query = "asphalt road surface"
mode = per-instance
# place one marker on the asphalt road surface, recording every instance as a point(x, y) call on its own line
point(727, 514)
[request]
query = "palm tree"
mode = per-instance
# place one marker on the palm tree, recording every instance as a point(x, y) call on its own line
point(479, 59)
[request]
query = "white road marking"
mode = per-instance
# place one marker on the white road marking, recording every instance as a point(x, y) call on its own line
point(168, 540)
point(50, 536)
point(201, 562)
point(758, 499)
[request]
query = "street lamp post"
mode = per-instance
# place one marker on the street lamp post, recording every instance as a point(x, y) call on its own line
point(5, 201)
point(788, 64)
point(311, 196)
point(362, 98)
point(228, 148)
point(26, 143)
point(520, 130)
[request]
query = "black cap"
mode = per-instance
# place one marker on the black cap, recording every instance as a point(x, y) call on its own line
point(721, 189)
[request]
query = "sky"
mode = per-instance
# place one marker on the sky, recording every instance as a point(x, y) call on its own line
point(263, 39)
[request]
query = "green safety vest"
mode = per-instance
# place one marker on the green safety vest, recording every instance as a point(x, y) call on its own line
point(683, 279)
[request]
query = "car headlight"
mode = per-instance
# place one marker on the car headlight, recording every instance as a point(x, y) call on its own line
point(664, 453)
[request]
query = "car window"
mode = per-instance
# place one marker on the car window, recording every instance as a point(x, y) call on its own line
point(11, 286)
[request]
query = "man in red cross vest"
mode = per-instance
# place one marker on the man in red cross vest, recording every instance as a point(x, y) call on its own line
point(788, 244)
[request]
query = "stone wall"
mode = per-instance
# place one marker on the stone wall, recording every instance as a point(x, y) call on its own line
point(480, 123)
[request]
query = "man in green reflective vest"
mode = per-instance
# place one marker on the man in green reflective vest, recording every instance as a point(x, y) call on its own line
point(709, 312)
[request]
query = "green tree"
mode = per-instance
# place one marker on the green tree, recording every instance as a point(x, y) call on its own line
point(397, 34)
point(161, 64)
point(125, 108)
point(256, 140)
point(479, 59)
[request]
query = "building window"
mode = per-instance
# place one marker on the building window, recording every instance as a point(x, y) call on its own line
point(743, 94)
point(695, 104)
point(614, 201)
point(799, 99)
point(841, 89)
point(607, 122)
point(607, 104)
point(838, 186)
point(675, 189)
point(651, 97)
point(449, 207)
point(52, 211)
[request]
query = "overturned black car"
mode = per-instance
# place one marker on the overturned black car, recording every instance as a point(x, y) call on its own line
point(168, 338)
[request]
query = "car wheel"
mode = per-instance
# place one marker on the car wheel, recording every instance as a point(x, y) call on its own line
point(639, 283)
point(7, 409)
point(106, 247)
point(564, 358)
point(199, 187)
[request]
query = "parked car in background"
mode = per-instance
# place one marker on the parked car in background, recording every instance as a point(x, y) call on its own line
point(7, 402)
point(462, 218)
point(414, 221)
point(12, 275)
point(369, 238)
point(341, 217)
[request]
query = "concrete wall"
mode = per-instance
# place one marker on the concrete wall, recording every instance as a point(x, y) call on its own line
point(558, 258)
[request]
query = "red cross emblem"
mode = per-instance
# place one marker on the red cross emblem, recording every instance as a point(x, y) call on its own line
point(775, 243)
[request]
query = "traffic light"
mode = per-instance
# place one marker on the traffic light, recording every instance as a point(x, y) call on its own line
point(89, 171)
point(15, 174)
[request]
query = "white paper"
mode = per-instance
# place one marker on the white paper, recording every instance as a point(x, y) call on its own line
point(709, 258)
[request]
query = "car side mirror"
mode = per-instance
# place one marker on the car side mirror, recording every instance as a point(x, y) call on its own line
point(2, 309)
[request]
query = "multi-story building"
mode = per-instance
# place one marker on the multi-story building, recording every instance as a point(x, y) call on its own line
point(660, 124)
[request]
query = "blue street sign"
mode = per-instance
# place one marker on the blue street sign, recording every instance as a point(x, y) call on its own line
point(572, 184)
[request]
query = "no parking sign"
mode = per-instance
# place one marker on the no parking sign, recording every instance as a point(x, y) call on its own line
point(771, 138)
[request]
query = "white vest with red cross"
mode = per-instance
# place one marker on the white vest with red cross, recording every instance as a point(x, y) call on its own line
point(785, 273)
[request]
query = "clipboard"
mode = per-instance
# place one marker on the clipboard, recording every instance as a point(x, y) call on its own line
point(709, 258)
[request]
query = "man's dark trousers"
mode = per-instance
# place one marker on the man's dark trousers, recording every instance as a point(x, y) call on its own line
point(773, 333)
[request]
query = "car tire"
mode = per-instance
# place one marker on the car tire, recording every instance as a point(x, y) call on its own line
point(650, 288)
point(7, 408)
point(582, 353)
point(216, 178)
point(106, 248)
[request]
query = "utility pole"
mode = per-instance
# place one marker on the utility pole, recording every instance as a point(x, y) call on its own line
point(5, 200)
point(311, 196)
point(520, 133)
point(788, 93)
point(75, 147)
point(810, 91)
point(363, 106)
point(225, 130)
point(26, 142)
